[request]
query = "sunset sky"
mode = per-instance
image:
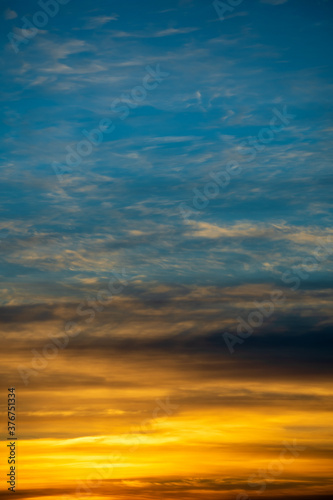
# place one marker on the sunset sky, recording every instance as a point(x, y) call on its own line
point(166, 248)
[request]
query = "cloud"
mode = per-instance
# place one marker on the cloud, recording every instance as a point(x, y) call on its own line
point(10, 14)
point(173, 31)
point(163, 336)
point(198, 488)
point(155, 34)
point(299, 235)
point(173, 139)
point(98, 21)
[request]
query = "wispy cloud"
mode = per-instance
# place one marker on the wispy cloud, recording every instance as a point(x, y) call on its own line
point(98, 21)
point(10, 14)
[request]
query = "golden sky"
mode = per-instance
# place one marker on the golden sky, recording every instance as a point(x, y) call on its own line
point(124, 409)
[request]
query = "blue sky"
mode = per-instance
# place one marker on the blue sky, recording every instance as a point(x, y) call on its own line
point(225, 79)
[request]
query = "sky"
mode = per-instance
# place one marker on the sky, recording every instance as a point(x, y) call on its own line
point(166, 248)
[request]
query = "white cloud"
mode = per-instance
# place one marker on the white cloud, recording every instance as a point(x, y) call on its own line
point(98, 21)
point(171, 139)
point(173, 31)
point(157, 34)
